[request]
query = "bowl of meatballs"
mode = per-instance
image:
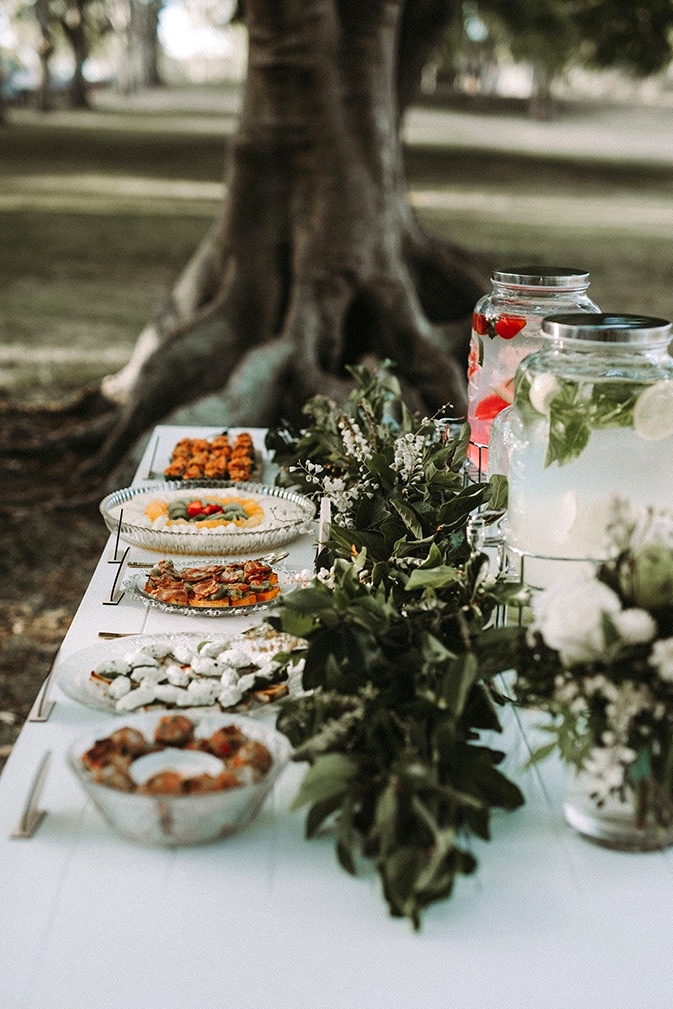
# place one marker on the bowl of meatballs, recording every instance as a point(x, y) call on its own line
point(170, 779)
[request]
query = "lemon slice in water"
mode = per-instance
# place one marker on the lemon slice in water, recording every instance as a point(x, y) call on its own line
point(653, 412)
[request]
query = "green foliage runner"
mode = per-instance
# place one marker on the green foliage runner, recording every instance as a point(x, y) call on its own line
point(395, 706)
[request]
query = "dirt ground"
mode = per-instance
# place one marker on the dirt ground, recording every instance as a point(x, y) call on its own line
point(48, 550)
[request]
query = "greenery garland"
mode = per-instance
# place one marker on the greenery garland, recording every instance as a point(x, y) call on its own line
point(395, 705)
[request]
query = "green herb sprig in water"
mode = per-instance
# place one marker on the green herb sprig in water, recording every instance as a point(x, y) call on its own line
point(575, 410)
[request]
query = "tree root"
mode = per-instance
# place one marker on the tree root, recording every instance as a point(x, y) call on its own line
point(83, 437)
point(316, 261)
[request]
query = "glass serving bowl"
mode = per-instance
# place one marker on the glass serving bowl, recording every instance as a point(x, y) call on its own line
point(179, 820)
point(286, 516)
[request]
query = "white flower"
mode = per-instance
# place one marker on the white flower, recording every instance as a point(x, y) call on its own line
point(620, 525)
point(653, 526)
point(626, 702)
point(606, 767)
point(304, 578)
point(568, 615)
point(326, 576)
point(661, 658)
point(354, 441)
point(634, 626)
point(342, 498)
point(408, 459)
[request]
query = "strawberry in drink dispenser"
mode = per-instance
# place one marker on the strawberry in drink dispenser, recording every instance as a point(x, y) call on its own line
point(505, 329)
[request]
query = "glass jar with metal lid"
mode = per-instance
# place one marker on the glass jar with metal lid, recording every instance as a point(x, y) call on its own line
point(590, 434)
point(505, 328)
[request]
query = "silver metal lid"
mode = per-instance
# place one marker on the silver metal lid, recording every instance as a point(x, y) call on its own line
point(597, 327)
point(541, 276)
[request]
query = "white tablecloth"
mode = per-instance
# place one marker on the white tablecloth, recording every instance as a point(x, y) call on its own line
point(268, 920)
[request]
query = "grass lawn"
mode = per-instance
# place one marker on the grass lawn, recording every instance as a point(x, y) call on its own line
point(99, 213)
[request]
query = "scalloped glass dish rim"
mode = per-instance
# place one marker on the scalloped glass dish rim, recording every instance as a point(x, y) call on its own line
point(228, 541)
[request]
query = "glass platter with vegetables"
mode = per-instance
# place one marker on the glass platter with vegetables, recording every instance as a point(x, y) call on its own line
point(242, 672)
point(206, 516)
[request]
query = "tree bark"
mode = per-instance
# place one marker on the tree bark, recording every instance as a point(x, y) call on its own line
point(317, 260)
point(74, 29)
point(45, 49)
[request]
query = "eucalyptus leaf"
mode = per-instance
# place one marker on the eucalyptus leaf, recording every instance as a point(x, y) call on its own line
point(409, 517)
point(541, 753)
point(456, 511)
point(346, 845)
point(329, 777)
point(458, 680)
point(434, 578)
point(385, 818)
point(320, 811)
point(498, 492)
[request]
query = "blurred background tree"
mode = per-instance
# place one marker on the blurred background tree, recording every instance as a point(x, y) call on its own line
point(482, 39)
point(549, 37)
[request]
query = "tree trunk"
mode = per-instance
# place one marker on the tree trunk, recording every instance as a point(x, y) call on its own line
point(136, 24)
point(317, 261)
point(45, 49)
point(148, 41)
point(74, 28)
point(541, 102)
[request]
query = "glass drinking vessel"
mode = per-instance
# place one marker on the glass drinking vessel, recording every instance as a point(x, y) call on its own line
point(590, 437)
point(505, 328)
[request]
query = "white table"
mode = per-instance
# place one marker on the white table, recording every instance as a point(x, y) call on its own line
point(267, 920)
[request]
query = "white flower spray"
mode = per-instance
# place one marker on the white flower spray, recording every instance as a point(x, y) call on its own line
point(408, 459)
